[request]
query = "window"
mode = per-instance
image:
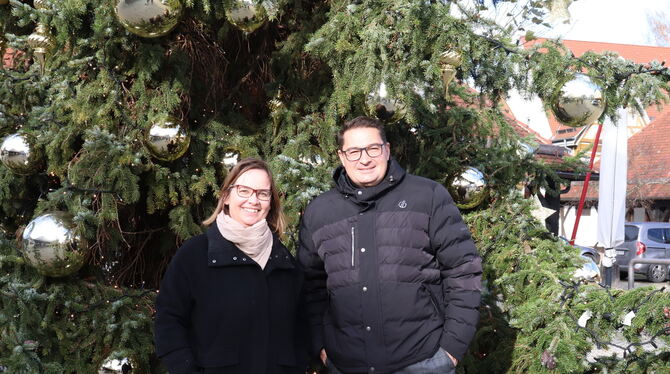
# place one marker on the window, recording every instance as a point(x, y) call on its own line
point(656, 235)
point(631, 233)
point(667, 236)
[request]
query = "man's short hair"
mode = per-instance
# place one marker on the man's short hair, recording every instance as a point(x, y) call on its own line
point(360, 122)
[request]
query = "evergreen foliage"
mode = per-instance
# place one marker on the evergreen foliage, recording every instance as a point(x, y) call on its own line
point(280, 93)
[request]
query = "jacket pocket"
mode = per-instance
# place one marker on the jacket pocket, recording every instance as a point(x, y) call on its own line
point(434, 300)
point(219, 357)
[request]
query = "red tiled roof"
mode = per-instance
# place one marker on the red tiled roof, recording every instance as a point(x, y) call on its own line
point(522, 129)
point(648, 165)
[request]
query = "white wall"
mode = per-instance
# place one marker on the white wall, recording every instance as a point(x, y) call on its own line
point(587, 233)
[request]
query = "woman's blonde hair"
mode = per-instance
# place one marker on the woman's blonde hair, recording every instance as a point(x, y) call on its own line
point(275, 218)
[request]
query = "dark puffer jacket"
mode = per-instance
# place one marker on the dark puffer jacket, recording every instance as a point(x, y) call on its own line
point(391, 273)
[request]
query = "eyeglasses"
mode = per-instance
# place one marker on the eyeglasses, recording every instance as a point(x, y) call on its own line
point(354, 153)
point(246, 192)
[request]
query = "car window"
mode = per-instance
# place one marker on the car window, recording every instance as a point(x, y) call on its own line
point(656, 235)
point(667, 235)
point(630, 233)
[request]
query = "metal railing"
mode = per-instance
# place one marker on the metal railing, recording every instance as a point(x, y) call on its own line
point(631, 265)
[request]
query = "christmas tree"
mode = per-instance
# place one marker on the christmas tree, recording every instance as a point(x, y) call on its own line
point(121, 118)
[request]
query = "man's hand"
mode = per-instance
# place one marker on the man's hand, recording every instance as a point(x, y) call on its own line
point(324, 357)
point(453, 359)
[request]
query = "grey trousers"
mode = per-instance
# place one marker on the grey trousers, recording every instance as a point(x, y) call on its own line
point(440, 363)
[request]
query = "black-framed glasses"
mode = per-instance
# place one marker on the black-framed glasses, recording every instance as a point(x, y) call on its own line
point(246, 192)
point(355, 153)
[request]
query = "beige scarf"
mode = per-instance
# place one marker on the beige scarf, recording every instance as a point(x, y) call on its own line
point(255, 241)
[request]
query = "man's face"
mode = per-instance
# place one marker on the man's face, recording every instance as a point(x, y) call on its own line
point(366, 171)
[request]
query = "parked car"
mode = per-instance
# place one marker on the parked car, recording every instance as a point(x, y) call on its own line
point(645, 240)
point(586, 252)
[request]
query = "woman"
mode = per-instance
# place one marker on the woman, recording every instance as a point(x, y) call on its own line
point(228, 302)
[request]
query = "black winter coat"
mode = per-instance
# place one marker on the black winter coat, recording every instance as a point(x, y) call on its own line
point(218, 312)
point(391, 273)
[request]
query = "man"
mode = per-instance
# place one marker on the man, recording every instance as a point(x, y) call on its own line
point(392, 274)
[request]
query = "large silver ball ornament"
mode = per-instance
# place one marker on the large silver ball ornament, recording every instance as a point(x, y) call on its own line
point(580, 102)
point(51, 245)
point(469, 189)
point(167, 139)
point(148, 18)
point(19, 154)
point(246, 15)
point(381, 105)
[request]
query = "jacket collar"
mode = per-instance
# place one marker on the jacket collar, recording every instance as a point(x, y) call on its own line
point(368, 195)
point(222, 252)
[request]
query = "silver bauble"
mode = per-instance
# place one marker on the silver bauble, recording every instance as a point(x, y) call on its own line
point(167, 139)
point(380, 104)
point(19, 154)
point(246, 15)
point(580, 102)
point(51, 246)
point(525, 150)
point(469, 189)
point(115, 365)
point(231, 159)
point(148, 18)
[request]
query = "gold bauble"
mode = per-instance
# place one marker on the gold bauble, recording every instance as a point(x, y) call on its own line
point(380, 104)
point(167, 139)
point(20, 154)
point(580, 102)
point(246, 15)
point(469, 189)
point(51, 245)
point(149, 18)
point(40, 40)
point(449, 61)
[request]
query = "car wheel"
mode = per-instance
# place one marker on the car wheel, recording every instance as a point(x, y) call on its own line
point(657, 273)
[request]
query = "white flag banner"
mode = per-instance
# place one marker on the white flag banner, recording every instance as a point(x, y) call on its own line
point(613, 180)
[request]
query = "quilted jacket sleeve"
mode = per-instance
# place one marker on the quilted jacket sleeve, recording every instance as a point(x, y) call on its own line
point(461, 270)
point(173, 306)
point(315, 293)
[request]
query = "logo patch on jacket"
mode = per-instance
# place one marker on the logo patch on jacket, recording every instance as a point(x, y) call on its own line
point(402, 204)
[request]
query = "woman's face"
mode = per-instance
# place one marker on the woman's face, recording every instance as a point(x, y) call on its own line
point(250, 210)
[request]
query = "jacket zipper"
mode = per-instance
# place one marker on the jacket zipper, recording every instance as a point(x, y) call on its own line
point(352, 246)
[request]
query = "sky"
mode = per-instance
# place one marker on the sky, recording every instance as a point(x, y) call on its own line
point(616, 21)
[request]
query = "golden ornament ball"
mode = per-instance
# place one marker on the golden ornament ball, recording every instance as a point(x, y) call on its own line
point(148, 18)
point(167, 139)
point(246, 15)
